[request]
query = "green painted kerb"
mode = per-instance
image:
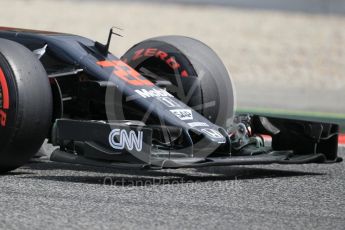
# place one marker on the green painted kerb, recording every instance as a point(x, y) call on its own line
point(336, 118)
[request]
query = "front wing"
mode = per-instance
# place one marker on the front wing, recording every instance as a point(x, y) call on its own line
point(131, 144)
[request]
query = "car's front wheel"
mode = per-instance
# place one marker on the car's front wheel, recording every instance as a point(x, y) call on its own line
point(25, 105)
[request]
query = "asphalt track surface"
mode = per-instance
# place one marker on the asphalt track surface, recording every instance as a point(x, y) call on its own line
point(48, 195)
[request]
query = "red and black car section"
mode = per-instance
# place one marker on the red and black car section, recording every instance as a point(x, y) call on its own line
point(4, 99)
point(160, 62)
point(25, 105)
point(196, 74)
point(7, 100)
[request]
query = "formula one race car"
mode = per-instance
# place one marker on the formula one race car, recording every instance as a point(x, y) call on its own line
point(167, 103)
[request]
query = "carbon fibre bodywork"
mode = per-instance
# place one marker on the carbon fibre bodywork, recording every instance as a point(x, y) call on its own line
point(91, 86)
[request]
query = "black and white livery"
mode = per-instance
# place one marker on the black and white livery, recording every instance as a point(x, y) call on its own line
point(168, 102)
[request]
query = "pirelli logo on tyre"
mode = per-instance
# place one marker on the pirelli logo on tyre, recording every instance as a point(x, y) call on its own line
point(165, 57)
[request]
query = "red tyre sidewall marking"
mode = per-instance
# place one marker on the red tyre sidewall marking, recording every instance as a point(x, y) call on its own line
point(5, 98)
point(342, 139)
point(5, 95)
point(161, 55)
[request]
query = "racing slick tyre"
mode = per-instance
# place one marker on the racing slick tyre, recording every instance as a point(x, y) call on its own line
point(193, 71)
point(25, 105)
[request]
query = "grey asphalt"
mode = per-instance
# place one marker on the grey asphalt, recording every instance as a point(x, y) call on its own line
point(48, 195)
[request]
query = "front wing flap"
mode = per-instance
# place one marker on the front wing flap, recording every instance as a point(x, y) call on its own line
point(130, 144)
